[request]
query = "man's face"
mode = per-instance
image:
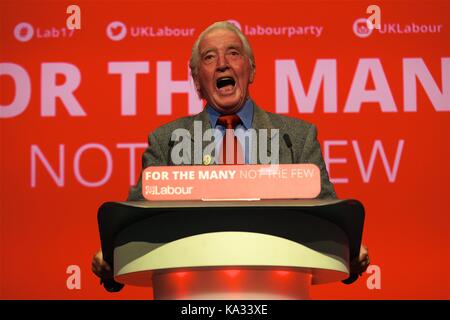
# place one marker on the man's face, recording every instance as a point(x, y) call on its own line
point(224, 71)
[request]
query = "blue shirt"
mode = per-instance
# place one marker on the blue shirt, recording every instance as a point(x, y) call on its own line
point(246, 116)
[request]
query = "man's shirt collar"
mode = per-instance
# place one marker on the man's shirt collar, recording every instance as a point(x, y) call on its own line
point(245, 113)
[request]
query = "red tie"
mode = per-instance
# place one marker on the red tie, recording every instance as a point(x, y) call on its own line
point(233, 153)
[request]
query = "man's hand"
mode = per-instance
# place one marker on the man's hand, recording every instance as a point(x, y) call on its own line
point(359, 265)
point(100, 267)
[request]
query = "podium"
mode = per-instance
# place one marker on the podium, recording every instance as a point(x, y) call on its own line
point(267, 249)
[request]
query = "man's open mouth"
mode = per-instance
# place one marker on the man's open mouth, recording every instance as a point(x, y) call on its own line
point(225, 83)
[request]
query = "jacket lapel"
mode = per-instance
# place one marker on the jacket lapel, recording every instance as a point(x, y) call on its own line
point(261, 120)
point(197, 129)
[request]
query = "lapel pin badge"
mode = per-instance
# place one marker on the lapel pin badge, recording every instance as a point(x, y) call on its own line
point(207, 159)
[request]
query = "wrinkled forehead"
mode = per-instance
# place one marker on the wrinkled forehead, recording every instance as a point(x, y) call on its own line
point(219, 39)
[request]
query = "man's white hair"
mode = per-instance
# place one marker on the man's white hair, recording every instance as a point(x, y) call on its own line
point(195, 55)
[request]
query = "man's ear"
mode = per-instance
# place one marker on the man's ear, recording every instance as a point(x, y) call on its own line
point(198, 87)
point(252, 74)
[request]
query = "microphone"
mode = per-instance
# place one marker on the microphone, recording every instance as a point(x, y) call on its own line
point(171, 144)
point(288, 142)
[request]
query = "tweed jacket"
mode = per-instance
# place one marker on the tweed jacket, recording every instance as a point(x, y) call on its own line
point(305, 147)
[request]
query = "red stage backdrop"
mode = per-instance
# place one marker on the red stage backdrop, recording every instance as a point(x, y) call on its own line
point(76, 107)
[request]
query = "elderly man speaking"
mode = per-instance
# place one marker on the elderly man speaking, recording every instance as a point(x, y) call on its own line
point(223, 67)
